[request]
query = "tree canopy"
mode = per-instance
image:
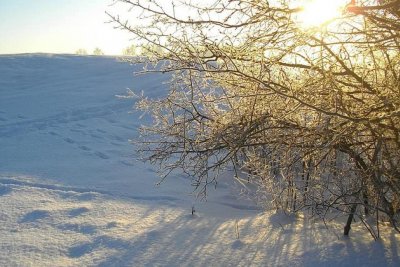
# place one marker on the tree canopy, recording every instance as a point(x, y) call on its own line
point(312, 114)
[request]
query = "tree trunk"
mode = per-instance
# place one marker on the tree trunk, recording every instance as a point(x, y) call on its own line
point(365, 200)
point(347, 227)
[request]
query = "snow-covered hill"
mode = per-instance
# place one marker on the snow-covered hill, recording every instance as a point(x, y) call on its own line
point(72, 193)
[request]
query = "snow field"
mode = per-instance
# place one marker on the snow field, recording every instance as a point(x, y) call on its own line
point(72, 193)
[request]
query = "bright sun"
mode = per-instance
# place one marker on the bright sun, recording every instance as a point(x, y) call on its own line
point(317, 12)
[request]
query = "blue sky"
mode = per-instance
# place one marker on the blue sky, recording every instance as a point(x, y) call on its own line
point(58, 26)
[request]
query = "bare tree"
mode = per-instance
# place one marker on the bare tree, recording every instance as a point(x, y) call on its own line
point(98, 52)
point(130, 51)
point(312, 114)
point(81, 52)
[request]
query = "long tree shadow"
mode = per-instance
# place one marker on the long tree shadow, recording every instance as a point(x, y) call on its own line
point(201, 241)
point(5, 190)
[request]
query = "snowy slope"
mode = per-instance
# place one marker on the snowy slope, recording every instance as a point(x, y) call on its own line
point(72, 193)
point(60, 120)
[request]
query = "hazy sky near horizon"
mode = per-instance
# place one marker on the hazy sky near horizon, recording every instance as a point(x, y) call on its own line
point(59, 26)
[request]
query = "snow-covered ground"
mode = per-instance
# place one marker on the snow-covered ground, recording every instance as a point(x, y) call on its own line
point(72, 193)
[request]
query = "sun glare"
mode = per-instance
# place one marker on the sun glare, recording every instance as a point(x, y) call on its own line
point(317, 12)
